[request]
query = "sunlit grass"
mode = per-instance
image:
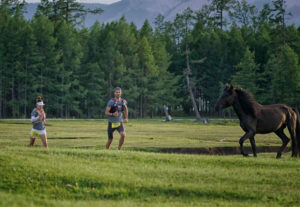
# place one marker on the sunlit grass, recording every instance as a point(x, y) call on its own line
point(67, 175)
point(140, 134)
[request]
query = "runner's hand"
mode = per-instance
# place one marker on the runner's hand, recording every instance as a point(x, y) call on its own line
point(115, 113)
point(125, 120)
point(41, 115)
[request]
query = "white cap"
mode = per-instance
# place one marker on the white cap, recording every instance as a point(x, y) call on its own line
point(40, 103)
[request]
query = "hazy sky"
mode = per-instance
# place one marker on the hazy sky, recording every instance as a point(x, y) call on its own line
point(83, 1)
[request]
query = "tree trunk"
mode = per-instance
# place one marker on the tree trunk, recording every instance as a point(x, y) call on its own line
point(41, 86)
point(1, 100)
point(13, 95)
point(5, 88)
point(142, 99)
point(19, 100)
point(283, 28)
point(141, 106)
point(221, 18)
point(1, 91)
point(145, 107)
point(67, 12)
point(109, 85)
point(25, 92)
point(62, 90)
point(188, 72)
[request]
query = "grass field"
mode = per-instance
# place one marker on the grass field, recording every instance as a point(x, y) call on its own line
point(76, 170)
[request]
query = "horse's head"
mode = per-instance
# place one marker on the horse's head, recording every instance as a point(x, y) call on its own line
point(226, 99)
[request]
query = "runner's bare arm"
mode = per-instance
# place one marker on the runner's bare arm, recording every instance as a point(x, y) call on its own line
point(126, 114)
point(44, 117)
point(107, 113)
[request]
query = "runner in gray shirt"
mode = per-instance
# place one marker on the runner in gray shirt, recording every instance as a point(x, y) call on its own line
point(38, 119)
point(114, 110)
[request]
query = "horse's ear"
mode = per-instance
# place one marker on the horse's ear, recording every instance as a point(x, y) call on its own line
point(231, 87)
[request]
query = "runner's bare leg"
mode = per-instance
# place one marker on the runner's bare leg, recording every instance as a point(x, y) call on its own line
point(44, 140)
point(109, 141)
point(32, 140)
point(122, 138)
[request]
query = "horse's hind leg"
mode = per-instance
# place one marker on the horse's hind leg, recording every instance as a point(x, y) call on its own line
point(294, 147)
point(285, 141)
point(291, 124)
point(252, 141)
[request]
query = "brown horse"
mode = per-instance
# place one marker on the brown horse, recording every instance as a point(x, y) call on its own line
point(259, 119)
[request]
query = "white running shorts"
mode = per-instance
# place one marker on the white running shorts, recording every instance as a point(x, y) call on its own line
point(34, 133)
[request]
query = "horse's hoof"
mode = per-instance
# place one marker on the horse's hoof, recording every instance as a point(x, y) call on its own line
point(255, 155)
point(245, 155)
point(278, 156)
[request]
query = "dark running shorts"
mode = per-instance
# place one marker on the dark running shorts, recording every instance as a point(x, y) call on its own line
point(110, 129)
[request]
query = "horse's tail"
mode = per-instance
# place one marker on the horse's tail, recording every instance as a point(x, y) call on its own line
point(297, 129)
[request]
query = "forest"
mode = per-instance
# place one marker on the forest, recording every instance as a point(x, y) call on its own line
point(184, 63)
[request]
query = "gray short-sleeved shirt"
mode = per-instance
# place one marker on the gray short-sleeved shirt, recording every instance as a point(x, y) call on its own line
point(111, 104)
point(39, 124)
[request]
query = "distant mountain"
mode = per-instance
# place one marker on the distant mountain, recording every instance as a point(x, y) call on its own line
point(138, 11)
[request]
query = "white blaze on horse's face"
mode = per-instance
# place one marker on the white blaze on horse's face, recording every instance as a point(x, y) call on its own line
point(118, 93)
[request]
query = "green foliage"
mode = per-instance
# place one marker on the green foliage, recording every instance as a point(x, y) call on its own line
point(243, 12)
point(218, 8)
point(247, 72)
point(285, 80)
point(181, 63)
point(69, 11)
point(48, 70)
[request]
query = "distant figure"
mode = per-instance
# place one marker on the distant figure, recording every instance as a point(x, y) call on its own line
point(168, 116)
point(38, 119)
point(114, 110)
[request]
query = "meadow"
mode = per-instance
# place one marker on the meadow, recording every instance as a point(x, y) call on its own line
point(76, 170)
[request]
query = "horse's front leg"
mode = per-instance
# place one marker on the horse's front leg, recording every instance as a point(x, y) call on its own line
point(253, 146)
point(242, 139)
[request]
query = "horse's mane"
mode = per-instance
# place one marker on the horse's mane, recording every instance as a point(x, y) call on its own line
point(249, 105)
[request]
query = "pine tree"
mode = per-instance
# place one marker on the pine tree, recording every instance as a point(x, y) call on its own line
point(183, 24)
point(243, 13)
point(148, 70)
point(70, 11)
point(278, 18)
point(48, 75)
point(5, 18)
point(70, 61)
point(285, 79)
point(247, 72)
point(91, 76)
point(219, 7)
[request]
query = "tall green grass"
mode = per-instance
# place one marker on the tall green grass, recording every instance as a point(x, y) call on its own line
point(67, 175)
point(140, 134)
